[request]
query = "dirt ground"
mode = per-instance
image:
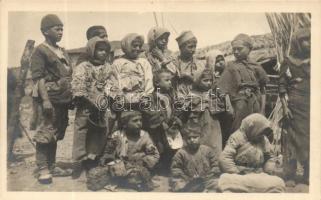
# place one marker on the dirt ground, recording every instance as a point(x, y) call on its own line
point(20, 174)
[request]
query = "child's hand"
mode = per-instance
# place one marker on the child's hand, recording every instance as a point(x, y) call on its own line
point(158, 54)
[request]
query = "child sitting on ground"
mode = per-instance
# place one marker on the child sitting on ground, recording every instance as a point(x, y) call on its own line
point(194, 167)
point(244, 159)
point(128, 157)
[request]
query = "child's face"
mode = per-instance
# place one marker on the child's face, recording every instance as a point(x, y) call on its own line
point(193, 141)
point(258, 138)
point(220, 63)
point(265, 133)
point(101, 52)
point(240, 50)
point(206, 83)
point(188, 49)
point(134, 124)
point(54, 33)
point(136, 48)
point(162, 41)
point(165, 81)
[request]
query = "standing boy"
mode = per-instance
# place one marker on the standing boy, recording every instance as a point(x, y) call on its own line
point(51, 73)
point(245, 81)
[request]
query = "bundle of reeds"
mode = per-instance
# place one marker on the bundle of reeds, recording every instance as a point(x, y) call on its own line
point(282, 26)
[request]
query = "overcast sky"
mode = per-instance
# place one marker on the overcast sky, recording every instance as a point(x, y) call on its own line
point(209, 28)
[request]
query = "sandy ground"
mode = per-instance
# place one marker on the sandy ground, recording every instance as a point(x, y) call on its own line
point(20, 174)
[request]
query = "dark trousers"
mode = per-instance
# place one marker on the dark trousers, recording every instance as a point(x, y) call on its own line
point(88, 138)
point(226, 124)
point(46, 155)
point(242, 108)
point(46, 152)
point(60, 120)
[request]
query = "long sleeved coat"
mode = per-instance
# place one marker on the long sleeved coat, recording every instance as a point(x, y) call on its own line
point(240, 149)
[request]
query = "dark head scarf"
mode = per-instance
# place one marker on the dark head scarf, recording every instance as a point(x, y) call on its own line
point(126, 42)
point(49, 21)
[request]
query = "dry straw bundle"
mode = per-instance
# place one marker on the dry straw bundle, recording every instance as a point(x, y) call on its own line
point(282, 26)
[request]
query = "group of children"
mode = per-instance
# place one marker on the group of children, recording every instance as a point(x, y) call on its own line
point(150, 113)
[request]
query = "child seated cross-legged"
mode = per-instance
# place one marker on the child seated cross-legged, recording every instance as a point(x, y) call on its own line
point(128, 157)
point(194, 167)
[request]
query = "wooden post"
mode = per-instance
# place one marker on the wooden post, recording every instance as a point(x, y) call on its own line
point(25, 64)
point(14, 99)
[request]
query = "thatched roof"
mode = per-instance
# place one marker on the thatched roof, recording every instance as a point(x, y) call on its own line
point(263, 47)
